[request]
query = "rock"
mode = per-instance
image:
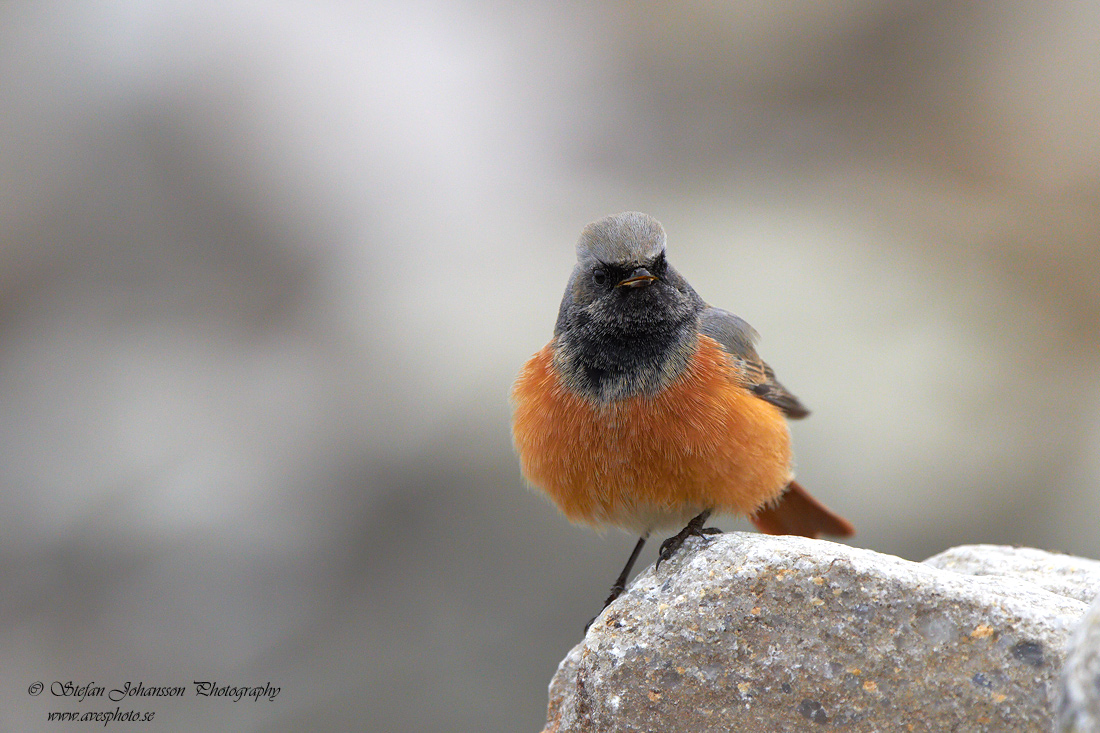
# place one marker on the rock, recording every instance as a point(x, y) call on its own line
point(1065, 575)
point(752, 632)
point(1079, 706)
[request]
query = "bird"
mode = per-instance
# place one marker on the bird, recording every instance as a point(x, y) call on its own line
point(650, 409)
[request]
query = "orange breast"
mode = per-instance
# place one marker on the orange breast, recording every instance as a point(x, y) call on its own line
point(646, 462)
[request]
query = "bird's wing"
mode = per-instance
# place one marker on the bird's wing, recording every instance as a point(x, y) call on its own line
point(737, 338)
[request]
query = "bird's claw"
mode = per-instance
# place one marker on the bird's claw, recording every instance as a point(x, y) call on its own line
point(672, 544)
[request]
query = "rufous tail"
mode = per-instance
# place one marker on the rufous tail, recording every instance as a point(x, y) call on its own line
point(796, 512)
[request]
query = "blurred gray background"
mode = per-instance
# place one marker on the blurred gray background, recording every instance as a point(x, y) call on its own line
point(268, 269)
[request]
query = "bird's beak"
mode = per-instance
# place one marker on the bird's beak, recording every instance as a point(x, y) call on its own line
point(639, 278)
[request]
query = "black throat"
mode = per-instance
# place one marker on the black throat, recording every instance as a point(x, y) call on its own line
point(606, 362)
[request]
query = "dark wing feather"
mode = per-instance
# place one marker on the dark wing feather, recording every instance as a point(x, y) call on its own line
point(737, 338)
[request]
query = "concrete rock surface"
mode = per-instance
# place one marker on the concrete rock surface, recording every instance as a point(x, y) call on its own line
point(753, 632)
point(1079, 706)
point(1065, 575)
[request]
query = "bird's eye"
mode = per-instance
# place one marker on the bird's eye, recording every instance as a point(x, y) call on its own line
point(599, 276)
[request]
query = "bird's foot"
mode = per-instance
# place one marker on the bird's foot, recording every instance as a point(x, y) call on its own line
point(616, 591)
point(694, 528)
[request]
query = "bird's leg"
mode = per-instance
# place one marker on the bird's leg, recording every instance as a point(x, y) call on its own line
point(620, 582)
point(694, 527)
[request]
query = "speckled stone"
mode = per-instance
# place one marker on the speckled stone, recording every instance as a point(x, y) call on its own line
point(752, 632)
point(1065, 575)
point(1079, 706)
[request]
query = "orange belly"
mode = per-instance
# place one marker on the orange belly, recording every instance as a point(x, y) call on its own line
point(651, 461)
